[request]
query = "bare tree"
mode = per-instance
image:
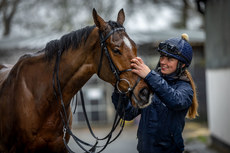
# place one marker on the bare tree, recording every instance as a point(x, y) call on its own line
point(8, 9)
point(185, 13)
point(2, 3)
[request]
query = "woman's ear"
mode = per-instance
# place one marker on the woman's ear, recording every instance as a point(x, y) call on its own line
point(183, 65)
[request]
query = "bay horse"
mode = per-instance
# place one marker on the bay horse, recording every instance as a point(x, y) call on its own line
point(30, 118)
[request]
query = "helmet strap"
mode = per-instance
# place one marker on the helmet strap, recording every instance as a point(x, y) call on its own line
point(157, 68)
point(180, 69)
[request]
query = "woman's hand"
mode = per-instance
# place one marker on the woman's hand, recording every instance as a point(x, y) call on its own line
point(139, 67)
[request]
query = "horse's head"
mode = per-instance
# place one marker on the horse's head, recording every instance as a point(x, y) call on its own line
point(117, 49)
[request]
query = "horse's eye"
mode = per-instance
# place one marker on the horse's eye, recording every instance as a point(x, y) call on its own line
point(117, 51)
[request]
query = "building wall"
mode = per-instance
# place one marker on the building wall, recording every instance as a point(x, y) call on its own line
point(218, 68)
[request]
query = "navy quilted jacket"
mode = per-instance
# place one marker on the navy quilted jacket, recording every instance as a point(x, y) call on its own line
point(162, 122)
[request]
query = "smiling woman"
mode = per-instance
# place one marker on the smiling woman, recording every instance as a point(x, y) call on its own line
point(162, 122)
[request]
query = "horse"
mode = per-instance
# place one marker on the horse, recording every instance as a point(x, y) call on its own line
point(30, 119)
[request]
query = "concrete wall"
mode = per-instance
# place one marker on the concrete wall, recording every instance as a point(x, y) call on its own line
point(218, 68)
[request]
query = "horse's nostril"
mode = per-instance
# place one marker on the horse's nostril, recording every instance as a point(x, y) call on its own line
point(144, 94)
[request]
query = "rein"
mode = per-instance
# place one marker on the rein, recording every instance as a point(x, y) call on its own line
point(118, 119)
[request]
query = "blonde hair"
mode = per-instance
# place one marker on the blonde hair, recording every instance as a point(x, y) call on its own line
point(192, 112)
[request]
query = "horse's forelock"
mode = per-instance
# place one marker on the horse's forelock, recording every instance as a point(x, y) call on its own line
point(114, 24)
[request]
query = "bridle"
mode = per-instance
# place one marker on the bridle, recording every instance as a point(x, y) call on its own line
point(117, 120)
point(113, 67)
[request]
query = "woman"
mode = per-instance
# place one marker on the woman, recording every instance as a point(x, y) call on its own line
point(162, 122)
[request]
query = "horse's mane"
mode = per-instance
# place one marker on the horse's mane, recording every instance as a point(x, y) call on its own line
point(72, 39)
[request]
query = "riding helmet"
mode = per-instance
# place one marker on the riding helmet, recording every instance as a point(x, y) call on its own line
point(178, 48)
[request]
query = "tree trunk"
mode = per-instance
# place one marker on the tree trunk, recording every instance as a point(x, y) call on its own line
point(185, 13)
point(7, 18)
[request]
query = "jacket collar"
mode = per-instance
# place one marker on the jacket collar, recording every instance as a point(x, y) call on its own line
point(174, 77)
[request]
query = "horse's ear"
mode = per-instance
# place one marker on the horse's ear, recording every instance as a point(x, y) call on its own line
point(99, 22)
point(121, 16)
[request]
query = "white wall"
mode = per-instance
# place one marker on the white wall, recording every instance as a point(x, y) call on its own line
point(218, 98)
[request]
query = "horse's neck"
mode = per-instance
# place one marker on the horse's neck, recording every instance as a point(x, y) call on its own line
point(76, 78)
point(82, 66)
point(38, 75)
point(76, 68)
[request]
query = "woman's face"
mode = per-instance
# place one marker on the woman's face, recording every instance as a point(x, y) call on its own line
point(168, 64)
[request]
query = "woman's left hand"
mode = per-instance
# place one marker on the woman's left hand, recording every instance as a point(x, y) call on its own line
point(139, 67)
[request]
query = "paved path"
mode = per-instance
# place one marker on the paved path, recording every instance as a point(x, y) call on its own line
point(127, 141)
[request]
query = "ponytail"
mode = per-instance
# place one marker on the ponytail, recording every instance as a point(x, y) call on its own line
point(192, 112)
